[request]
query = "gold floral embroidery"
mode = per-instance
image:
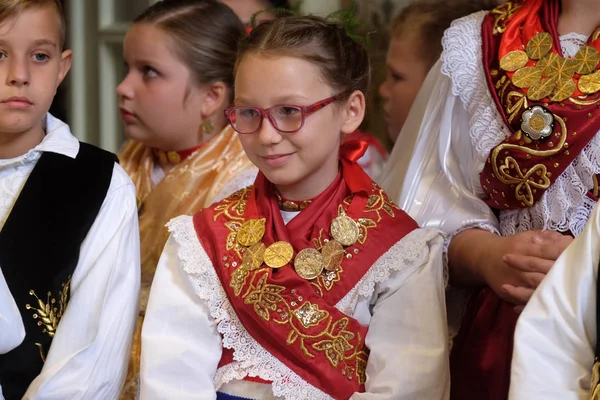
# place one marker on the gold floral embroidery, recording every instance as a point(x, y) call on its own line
point(595, 182)
point(233, 207)
point(340, 346)
point(47, 314)
point(525, 182)
point(310, 315)
point(595, 382)
point(515, 102)
point(265, 297)
point(502, 14)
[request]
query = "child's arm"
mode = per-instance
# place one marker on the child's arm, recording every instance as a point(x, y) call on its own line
point(556, 334)
point(181, 347)
point(408, 337)
point(12, 331)
point(89, 354)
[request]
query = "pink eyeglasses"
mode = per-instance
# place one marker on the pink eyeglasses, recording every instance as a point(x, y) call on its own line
point(286, 118)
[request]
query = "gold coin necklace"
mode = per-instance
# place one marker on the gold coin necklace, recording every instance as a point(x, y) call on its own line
point(309, 263)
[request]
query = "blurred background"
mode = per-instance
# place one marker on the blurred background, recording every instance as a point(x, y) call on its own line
point(96, 28)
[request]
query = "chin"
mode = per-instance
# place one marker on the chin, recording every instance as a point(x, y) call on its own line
point(280, 178)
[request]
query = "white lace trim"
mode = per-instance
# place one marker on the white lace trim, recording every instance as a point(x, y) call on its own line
point(252, 358)
point(408, 251)
point(565, 205)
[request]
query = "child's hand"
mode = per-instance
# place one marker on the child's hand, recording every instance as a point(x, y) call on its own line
point(527, 257)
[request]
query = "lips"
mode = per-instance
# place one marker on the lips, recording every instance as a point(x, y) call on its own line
point(17, 102)
point(276, 160)
point(126, 115)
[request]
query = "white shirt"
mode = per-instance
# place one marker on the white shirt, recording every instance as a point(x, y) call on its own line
point(89, 353)
point(400, 299)
point(556, 333)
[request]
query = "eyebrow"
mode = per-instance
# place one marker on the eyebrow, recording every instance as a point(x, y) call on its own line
point(38, 42)
point(291, 99)
point(41, 42)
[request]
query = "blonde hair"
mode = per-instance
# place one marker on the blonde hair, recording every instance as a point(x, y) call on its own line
point(343, 62)
point(428, 19)
point(12, 8)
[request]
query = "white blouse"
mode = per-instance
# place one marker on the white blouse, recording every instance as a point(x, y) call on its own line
point(189, 319)
point(556, 333)
point(89, 353)
point(434, 169)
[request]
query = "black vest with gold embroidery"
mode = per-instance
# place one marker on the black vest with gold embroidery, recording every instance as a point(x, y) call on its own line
point(39, 250)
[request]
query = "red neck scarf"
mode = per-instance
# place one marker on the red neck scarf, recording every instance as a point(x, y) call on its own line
point(295, 319)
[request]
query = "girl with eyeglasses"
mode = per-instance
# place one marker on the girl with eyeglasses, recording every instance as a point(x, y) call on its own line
point(311, 283)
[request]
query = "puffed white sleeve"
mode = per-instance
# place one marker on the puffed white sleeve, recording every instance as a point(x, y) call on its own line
point(181, 347)
point(556, 333)
point(407, 335)
point(433, 171)
point(89, 353)
point(12, 330)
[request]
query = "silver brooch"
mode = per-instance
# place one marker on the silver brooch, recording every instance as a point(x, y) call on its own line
point(537, 122)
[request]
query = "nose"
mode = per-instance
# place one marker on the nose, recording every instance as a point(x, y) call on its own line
point(18, 74)
point(384, 90)
point(267, 134)
point(125, 89)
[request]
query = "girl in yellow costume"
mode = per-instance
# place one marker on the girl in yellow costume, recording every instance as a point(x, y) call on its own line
point(180, 56)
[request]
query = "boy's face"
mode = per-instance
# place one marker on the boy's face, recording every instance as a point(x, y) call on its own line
point(31, 68)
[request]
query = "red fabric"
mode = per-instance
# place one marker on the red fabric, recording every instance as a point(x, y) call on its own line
point(359, 197)
point(582, 121)
point(482, 350)
point(370, 140)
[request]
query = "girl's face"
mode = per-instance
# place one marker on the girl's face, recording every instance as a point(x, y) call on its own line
point(304, 163)
point(406, 72)
point(159, 103)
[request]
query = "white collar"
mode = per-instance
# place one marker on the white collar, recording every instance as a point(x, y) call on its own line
point(58, 139)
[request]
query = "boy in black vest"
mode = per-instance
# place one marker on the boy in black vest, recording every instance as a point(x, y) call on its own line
point(69, 241)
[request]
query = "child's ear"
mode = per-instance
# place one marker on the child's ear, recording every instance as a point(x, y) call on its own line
point(353, 112)
point(66, 58)
point(215, 95)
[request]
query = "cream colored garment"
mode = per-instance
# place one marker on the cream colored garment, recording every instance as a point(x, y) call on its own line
point(556, 333)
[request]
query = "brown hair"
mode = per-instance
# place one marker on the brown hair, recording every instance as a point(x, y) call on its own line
point(12, 8)
point(343, 62)
point(428, 19)
point(205, 34)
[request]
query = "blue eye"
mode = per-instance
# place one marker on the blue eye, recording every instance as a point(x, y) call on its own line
point(40, 57)
point(149, 72)
point(247, 113)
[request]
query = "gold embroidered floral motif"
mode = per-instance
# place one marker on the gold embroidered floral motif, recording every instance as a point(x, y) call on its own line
point(502, 14)
point(525, 182)
point(595, 382)
point(265, 297)
point(310, 315)
point(47, 314)
point(233, 207)
point(338, 344)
